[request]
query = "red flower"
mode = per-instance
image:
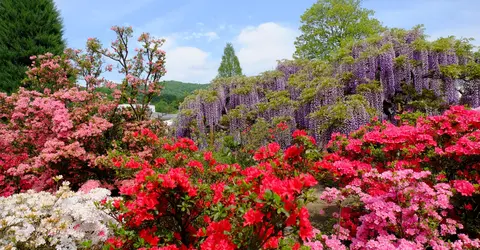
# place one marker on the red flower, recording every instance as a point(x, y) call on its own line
point(282, 126)
point(260, 154)
point(308, 180)
point(273, 148)
point(169, 147)
point(468, 207)
point(217, 191)
point(160, 161)
point(272, 243)
point(464, 187)
point(312, 140)
point(293, 153)
point(146, 234)
point(298, 133)
point(296, 246)
point(208, 156)
point(306, 229)
point(196, 164)
point(114, 243)
point(117, 204)
point(219, 227)
point(132, 164)
point(441, 177)
point(252, 216)
point(171, 247)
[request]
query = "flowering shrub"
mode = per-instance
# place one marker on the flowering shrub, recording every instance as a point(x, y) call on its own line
point(408, 186)
point(61, 127)
point(64, 220)
point(186, 199)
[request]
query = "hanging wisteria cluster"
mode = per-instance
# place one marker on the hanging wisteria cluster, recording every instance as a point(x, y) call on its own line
point(377, 77)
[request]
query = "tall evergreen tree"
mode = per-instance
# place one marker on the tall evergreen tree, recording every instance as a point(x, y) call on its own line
point(230, 66)
point(27, 27)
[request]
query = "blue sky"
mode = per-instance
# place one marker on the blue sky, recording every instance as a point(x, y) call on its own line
point(262, 31)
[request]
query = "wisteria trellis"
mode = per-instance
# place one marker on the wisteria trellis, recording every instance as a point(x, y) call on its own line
point(375, 70)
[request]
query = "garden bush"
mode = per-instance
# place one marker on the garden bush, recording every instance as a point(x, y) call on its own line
point(408, 186)
point(64, 220)
point(186, 199)
point(61, 127)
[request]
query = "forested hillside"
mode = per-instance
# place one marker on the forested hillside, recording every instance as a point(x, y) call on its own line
point(172, 94)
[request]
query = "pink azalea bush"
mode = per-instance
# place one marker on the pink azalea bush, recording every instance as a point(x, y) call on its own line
point(58, 126)
point(407, 186)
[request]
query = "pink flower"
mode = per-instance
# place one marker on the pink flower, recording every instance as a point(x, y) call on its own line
point(89, 185)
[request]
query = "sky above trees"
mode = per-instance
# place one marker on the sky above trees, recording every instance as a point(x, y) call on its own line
point(261, 31)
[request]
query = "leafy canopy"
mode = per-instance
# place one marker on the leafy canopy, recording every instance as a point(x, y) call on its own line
point(230, 66)
point(329, 23)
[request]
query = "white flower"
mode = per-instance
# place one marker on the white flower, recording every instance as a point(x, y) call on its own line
point(61, 221)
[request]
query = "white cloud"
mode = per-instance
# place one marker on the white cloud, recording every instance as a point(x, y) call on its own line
point(169, 42)
point(190, 64)
point(211, 36)
point(197, 35)
point(259, 48)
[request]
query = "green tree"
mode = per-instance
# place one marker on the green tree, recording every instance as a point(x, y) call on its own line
point(328, 23)
point(27, 27)
point(230, 66)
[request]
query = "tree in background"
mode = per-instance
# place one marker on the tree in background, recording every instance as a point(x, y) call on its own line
point(26, 28)
point(328, 23)
point(230, 66)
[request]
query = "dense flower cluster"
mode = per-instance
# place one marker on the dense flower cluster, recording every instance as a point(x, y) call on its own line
point(387, 198)
point(64, 220)
point(187, 200)
point(57, 126)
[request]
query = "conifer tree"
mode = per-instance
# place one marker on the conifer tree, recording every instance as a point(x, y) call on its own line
point(230, 66)
point(27, 27)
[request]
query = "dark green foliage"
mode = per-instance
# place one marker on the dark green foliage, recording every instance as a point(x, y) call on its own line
point(329, 23)
point(27, 27)
point(230, 66)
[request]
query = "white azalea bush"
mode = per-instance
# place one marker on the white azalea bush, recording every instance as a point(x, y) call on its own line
point(64, 220)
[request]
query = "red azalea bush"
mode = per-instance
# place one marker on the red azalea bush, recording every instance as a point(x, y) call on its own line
point(186, 200)
point(59, 127)
point(409, 186)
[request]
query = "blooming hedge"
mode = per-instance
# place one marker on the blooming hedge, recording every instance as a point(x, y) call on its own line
point(186, 199)
point(409, 186)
